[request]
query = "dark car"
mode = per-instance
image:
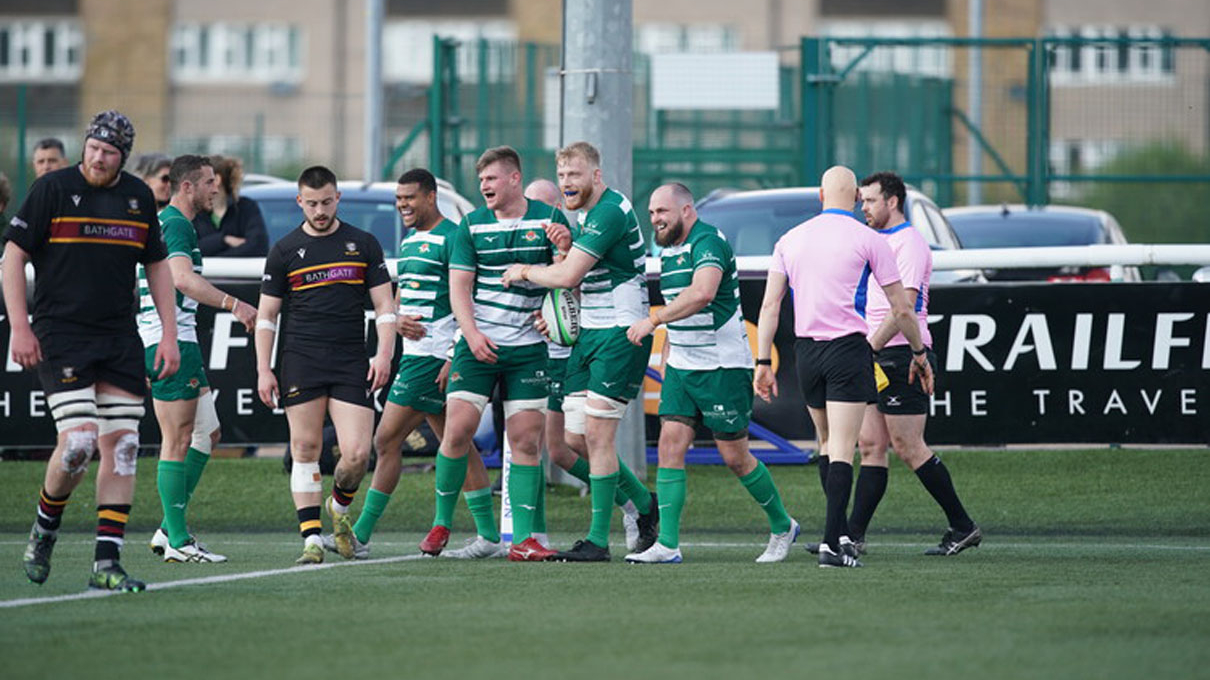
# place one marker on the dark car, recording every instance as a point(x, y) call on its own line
point(752, 221)
point(366, 206)
point(1016, 226)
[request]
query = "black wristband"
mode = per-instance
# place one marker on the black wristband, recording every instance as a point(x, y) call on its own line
point(764, 362)
point(920, 352)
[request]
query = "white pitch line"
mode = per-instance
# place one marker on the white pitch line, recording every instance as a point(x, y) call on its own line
point(205, 580)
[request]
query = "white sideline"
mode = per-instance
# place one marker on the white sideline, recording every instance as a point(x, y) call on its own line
point(227, 578)
point(205, 580)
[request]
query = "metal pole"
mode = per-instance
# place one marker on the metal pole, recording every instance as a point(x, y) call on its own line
point(598, 107)
point(974, 102)
point(373, 112)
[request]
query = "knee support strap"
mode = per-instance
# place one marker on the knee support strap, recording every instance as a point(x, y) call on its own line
point(731, 436)
point(116, 413)
point(573, 412)
point(204, 424)
point(73, 408)
point(613, 409)
point(479, 401)
point(81, 444)
point(513, 406)
point(305, 478)
point(126, 455)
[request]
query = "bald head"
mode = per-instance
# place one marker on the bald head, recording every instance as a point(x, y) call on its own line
point(838, 188)
point(672, 213)
point(543, 190)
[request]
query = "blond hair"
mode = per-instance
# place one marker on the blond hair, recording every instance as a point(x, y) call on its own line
point(582, 149)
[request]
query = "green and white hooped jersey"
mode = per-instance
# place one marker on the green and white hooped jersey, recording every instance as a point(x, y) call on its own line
point(181, 240)
point(424, 289)
point(715, 337)
point(614, 292)
point(487, 246)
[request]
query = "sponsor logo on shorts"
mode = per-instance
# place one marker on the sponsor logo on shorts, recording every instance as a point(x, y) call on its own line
point(293, 391)
point(894, 400)
point(194, 382)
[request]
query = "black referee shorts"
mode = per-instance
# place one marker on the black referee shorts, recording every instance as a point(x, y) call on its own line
point(72, 362)
point(835, 370)
point(308, 373)
point(899, 398)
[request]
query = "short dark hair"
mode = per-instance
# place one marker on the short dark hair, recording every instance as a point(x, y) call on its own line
point(50, 143)
point(505, 154)
point(185, 168)
point(891, 185)
point(428, 183)
point(316, 177)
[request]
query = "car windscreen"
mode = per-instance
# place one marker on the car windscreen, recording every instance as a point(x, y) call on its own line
point(1017, 230)
point(752, 224)
point(283, 215)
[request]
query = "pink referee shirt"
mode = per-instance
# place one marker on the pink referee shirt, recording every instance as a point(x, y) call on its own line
point(915, 262)
point(828, 261)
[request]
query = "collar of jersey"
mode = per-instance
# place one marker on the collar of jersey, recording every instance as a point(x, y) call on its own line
point(902, 225)
point(838, 211)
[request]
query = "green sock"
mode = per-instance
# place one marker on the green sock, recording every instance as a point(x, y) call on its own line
point(539, 525)
point(170, 478)
point(195, 463)
point(580, 471)
point(602, 488)
point(375, 503)
point(479, 502)
point(451, 473)
point(670, 485)
point(760, 484)
point(633, 489)
point(521, 490)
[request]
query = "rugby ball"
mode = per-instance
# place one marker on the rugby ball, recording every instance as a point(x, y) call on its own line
point(561, 312)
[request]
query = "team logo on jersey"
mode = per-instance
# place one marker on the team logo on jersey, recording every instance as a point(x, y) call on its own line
point(302, 252)
point(75, 198)
point(424, 247)
point(530, 235)
point(414, 284)
point(351, 248)
point(134, 205)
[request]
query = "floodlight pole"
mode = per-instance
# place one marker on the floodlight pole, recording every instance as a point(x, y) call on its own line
point(373, 98)
point(597, 96)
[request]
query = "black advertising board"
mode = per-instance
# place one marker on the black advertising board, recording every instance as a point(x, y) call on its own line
point(1023, 363)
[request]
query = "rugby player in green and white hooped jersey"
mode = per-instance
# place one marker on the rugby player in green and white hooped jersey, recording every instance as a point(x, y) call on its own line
point(427, 324)
point(708, 377)
point(606, 260)
point(184, 404)
point(499, 341)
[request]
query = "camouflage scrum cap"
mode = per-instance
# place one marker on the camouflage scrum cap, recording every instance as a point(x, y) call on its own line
point(113, 128)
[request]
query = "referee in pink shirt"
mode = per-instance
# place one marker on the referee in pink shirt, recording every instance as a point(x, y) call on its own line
point(827, 261)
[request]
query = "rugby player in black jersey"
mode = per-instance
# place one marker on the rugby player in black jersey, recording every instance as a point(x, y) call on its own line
point(86, 228)
point(322, 271)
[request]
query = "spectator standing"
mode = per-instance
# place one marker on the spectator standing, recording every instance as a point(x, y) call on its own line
point(236, 227)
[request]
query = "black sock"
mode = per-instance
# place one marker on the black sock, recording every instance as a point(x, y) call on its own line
point(823, 471)
point(936, 478)
point(840, 486)
point(871, 485)
point(309, 523)
point(111, 531)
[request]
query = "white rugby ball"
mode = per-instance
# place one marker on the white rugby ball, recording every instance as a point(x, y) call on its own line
point(561, 312)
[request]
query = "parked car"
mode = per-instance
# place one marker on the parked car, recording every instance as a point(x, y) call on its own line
point(753, 221)
point(369, 206)
point(1017, 226)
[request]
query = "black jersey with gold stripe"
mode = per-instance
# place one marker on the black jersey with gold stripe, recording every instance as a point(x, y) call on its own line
point(324, 281)
point(85, 243)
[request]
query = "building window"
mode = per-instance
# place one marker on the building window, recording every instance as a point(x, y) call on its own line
point(924, 60)
point(407, 49)
point(40, 50)
point(659, 38)
point(1111, 55)
point(1079, 157)
point(233, 52)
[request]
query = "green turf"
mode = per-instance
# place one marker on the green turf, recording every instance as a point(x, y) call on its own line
point(1095, 565)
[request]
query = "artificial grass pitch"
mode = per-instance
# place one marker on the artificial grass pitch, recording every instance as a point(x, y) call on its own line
point(1094, 565)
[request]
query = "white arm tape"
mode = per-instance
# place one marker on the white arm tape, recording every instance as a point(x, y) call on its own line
point(384, 319)
point(266, 325)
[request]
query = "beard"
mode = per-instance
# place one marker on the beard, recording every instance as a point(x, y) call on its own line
point(581, 198)
point(670, 234)
point(99, 177)
point(325, 227)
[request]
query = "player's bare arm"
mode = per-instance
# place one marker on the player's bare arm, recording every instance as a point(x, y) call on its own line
point(690, 301)
point(380, 366)
point(266, 335)
point(195, 286)
point(888, 329)
point(764, 382)
point(462, 285)
point(565, 274)
point(22, 342)
point(163, 294)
